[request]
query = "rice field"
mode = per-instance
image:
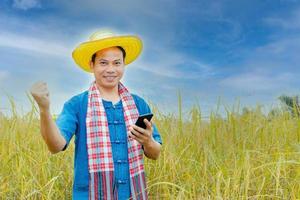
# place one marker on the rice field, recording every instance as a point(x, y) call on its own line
point(246, 155)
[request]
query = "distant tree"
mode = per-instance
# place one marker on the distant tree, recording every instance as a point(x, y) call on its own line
point(291, 103)
point(274, 112)
point(246, 111)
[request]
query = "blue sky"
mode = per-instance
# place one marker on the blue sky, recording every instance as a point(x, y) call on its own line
point(230, 49)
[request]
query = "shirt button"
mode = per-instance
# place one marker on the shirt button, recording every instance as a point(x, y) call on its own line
point(121, 161)
point(116, 122)
point(121, 181)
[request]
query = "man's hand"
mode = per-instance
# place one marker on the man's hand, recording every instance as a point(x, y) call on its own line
point(49, 130)
point(144, 137)
point(40, 93)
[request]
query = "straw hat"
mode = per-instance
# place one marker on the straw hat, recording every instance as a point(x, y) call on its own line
point(82, 54)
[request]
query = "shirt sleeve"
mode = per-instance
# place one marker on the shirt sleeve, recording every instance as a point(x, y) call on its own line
point(67, 121)
point(146, 109)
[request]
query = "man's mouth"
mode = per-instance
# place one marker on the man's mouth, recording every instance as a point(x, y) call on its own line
point(109, 78)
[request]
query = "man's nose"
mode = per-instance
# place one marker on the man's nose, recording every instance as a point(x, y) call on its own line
point(111, 67)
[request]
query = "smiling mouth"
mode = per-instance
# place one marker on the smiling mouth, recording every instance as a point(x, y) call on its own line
point(109, 78)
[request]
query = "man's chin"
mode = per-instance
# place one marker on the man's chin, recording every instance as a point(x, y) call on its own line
point(110, 84)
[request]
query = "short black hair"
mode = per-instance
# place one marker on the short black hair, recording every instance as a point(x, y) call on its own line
point(119, 47)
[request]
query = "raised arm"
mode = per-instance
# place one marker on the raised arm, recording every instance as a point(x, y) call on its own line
point(50, 132)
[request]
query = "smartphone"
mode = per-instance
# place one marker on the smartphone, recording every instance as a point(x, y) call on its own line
point(140, 121)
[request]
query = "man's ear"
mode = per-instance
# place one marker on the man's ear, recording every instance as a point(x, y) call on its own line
point(91, 65)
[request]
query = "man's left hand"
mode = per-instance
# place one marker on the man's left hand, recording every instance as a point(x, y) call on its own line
point(143, 136)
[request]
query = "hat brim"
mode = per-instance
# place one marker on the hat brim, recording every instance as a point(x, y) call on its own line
point(83, 53)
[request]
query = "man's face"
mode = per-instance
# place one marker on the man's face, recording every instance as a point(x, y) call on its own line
point(108, 67)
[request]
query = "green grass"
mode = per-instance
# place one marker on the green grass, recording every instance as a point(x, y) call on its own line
point(241, 156)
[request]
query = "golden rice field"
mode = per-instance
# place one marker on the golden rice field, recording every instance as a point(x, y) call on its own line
point(240, 156)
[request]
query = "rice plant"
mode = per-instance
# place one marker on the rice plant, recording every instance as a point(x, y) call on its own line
point(247, 155)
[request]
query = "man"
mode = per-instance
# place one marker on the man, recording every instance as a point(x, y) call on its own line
point(109, 148)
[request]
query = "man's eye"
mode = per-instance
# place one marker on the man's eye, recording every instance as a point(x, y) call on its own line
point(118, 63)
point(102, 63)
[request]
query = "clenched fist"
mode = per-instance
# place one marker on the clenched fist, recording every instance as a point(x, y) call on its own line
point(40, 93)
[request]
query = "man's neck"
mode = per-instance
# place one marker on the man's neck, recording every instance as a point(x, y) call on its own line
point(110, 94)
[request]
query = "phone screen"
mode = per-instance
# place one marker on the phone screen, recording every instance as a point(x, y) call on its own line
point(140, 121)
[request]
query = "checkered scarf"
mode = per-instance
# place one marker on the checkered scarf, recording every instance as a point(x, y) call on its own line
point(102, 183)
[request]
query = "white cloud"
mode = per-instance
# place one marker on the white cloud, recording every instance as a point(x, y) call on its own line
point(290, 22)
point(270, 69)
point(28, 43)
point(285, 46)
point(255, 81)
point(3, 75)
point(168, 63)
point(129, 8)
point(26, 4)
point(171, 69)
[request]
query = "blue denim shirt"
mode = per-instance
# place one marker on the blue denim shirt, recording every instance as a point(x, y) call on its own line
point(72, 121)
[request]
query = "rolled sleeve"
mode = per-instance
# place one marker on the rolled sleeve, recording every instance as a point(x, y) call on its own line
point(67, 121)
point(156, 135)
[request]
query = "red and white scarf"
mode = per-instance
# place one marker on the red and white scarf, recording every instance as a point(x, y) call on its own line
point(102, 183)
